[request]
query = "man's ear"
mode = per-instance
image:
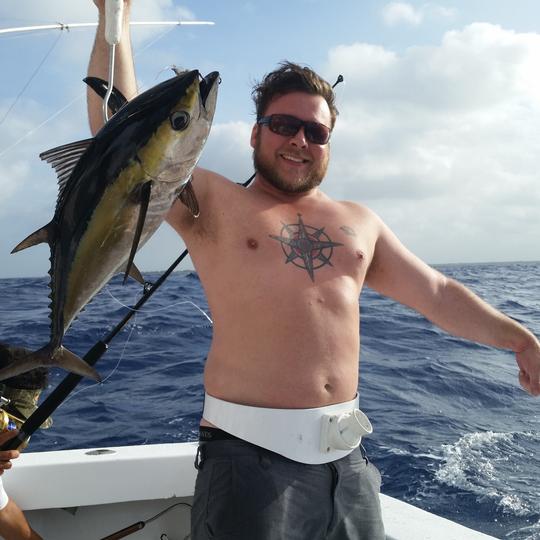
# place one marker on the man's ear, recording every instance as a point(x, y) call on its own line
point(254, 133)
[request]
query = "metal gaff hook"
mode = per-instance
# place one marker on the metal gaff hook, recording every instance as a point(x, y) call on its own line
point(114, 10)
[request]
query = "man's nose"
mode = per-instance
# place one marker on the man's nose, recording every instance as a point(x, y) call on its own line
point(299, 139)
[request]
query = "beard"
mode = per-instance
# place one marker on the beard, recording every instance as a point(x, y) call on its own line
point(302, 183)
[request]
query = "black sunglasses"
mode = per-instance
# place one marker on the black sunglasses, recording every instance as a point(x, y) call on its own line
point(288, 126)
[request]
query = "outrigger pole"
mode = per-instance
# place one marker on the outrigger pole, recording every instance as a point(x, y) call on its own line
point(69, 26)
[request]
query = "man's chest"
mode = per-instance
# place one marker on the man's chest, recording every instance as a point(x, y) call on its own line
point(295, 246)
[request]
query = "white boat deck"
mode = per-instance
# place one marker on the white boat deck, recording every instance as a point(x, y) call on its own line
point(89, 494)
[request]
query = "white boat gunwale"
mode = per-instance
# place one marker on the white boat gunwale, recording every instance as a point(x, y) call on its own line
point(108, 489)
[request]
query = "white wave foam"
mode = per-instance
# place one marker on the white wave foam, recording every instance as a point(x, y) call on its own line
point(474, 464)
point(403, 452)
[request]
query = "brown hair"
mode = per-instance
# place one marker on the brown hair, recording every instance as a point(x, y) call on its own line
point(290, 77)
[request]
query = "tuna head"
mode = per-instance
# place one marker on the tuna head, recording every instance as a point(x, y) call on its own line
point(171, 153)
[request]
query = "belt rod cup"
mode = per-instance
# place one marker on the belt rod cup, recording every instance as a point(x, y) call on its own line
point(344, 431)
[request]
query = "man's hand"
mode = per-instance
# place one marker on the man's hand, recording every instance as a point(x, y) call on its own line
point(528, 361)
point(7, 455)
point(100, 4)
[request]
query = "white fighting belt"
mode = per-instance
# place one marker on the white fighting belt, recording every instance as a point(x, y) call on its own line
point(317, 435)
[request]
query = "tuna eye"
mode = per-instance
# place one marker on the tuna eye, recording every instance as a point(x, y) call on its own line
point(180, 120)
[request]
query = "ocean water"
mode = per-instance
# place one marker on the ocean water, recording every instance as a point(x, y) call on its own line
point(453, 431)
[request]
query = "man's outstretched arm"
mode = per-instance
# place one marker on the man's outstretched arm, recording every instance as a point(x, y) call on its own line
point(125, 81)
point(397, 273)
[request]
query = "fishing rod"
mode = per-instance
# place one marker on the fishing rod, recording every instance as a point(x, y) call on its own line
point(61, 392)
point(66, 386)
point(130, 529)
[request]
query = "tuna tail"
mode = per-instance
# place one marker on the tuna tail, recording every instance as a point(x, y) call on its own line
point(48, 357)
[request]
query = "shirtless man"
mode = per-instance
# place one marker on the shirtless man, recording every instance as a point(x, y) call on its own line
point(286, 320)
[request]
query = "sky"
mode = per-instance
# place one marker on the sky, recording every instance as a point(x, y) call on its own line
point(438, 131)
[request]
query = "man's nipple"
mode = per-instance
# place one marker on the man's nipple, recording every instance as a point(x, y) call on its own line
point(252, 243)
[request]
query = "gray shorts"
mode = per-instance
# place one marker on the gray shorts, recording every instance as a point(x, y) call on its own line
point(244, 492)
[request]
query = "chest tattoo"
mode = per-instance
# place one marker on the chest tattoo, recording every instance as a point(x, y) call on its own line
point(306, 247)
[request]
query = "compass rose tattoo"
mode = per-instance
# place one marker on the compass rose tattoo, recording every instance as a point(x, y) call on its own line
point(305, 246)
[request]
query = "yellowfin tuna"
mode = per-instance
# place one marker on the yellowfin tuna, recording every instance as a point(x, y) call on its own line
point(115, 190)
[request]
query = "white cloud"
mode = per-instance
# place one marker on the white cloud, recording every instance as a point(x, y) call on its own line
point(372, 61)
point(228, 151)
point(29, 186)
point(396, 13)
point(443, 140)
point(10, 178)
point(441, 12)
point(48, 12)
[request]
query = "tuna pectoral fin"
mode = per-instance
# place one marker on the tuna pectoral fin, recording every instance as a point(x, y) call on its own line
point(187, 197)
point(38, 237)
point(142, 195)
point(47, 357)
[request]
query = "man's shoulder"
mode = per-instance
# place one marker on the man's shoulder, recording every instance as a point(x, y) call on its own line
point(211, 182)
point(205, 175)
point(358, 211)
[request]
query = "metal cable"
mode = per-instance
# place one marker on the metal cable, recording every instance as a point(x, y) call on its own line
point(31, 78)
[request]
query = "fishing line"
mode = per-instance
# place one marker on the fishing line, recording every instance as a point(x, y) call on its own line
point(31, 78)
point(115, 368)
point(32, 131)
point(133, 325)
point(162, 35)
point(37, 33)
point(161, 308)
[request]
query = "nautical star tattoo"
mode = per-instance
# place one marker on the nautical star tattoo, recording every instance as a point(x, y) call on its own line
point(306, 247)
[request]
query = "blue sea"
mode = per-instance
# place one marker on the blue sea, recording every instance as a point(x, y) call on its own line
point(453, 431)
